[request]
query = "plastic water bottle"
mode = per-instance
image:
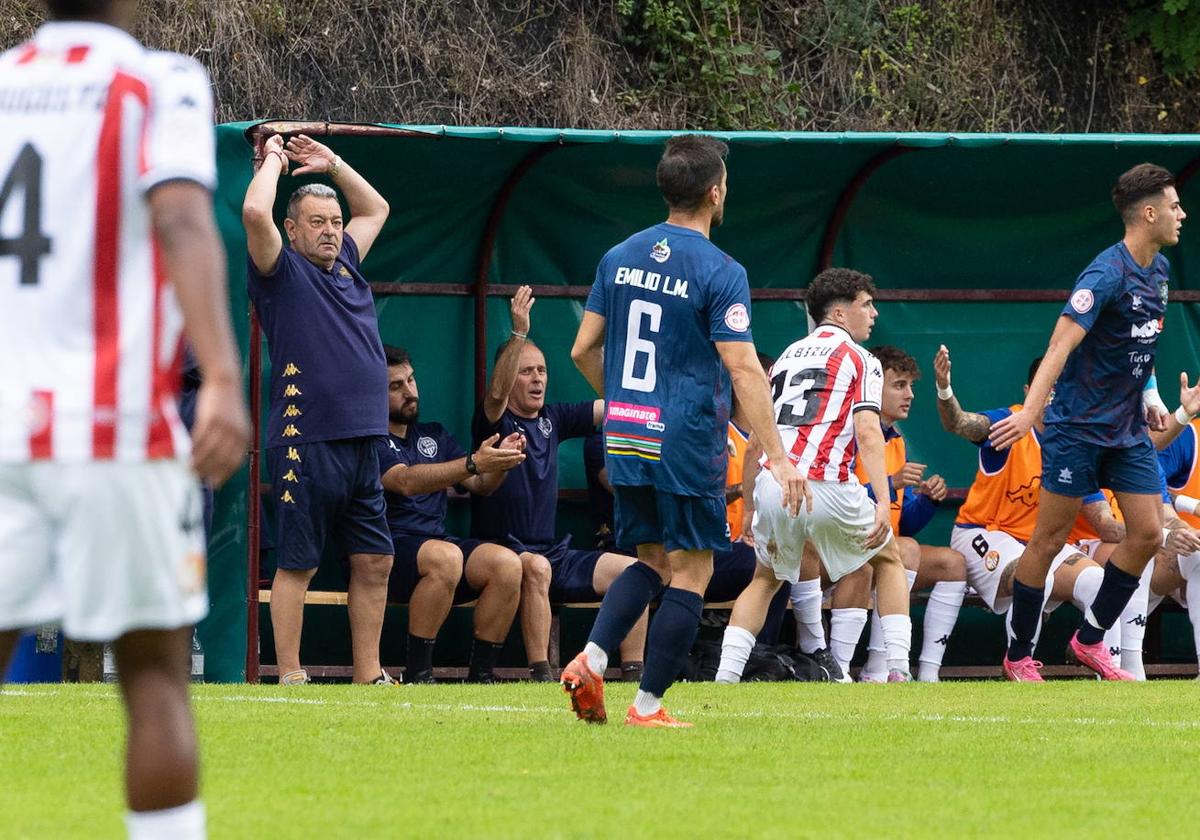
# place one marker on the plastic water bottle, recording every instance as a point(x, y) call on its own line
point(197, 658)
point(47, 639)
point(108, 672)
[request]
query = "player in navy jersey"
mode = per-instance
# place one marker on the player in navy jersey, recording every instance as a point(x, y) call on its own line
point(1098, 361)
point(328, 392)
point(432, 570)
point(521, 512)
point(667, 326)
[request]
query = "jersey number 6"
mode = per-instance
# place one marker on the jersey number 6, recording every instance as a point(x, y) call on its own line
point(635, 345)
point(26, 173)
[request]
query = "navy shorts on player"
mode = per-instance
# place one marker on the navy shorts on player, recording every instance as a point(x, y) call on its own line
point(1075, 467)
point(405, 573)
point(689, 523)
point(325, 490)
point(572, 571)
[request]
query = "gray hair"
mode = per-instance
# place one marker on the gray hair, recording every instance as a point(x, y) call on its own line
point(315, 190)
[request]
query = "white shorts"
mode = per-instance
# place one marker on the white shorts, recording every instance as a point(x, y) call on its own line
point(988, 554)
point(841, 517)
point(103, 547)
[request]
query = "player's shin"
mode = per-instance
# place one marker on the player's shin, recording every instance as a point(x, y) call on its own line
point(1116, 589)
point(671, 636)
point(623, 604)
point(1133, 625)
point(845, 629)
point(806, 606)
point(941, 614)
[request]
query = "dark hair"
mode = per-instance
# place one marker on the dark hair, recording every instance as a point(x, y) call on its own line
point(691, 165)
point(893, 358)
point(1146, 180)
point(500, 349)
point(396, 355)
point(68, 9)
point(834, 284)
point(1033, 369)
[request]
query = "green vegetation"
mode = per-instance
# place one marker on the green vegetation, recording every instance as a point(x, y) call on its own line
point(765, 760)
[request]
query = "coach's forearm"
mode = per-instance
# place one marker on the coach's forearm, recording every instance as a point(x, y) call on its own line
point(362, 199)
point(427, 478)
point(259, 203)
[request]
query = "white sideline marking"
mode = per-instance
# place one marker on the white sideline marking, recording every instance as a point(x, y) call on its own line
point(20, 692)
point(914, 717)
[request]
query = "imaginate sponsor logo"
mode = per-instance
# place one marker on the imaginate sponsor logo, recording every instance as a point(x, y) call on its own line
point(631, 413)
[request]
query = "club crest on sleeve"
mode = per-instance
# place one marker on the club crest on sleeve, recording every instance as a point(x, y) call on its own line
point(1082, 301)
point(545, 426)
point(737, 318)
point(427, 446)
point(661, 252)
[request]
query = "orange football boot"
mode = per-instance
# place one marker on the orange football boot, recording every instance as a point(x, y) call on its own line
point(659, 719)
point(586, 688)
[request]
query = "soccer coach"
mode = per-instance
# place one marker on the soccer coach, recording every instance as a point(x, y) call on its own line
point(328, 392)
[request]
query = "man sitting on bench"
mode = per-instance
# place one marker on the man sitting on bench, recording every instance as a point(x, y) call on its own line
point(432, 570)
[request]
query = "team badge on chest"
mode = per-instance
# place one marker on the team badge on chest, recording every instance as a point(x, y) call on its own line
point(427, 446)
point(545, 426)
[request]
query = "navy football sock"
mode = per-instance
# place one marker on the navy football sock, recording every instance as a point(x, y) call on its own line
point(1026, 614)
point(1116, 589)
point(483, 658)
point(671, 635)
point(623, 605)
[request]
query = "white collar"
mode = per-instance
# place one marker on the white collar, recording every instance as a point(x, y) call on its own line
point(57, 33)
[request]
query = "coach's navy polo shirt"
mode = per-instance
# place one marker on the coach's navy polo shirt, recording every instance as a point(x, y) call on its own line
point(524, 505)
point(329, 377)
point(425, 443)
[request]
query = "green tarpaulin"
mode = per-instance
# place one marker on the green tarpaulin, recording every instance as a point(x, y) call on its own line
point(952, 212)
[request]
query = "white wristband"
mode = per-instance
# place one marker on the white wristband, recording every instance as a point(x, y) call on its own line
point(1186, 504)
point(944, 393)
point(1152, 399)
point(1182, 417)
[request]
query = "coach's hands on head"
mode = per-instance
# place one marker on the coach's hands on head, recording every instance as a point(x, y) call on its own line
point(274, 147)
point(882, 528)
point(520, 305)
point(941, 368)
point(313, 157)
point(934, 487)
point(795, 488)
point(221, 434)
point(491, 458)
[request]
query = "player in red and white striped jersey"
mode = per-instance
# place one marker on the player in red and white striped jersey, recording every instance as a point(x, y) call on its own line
point(827, 391)
point(108, 249)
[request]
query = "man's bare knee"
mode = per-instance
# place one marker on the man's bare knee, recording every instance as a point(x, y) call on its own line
point(371, 569)
point(441, 562)
point(535, 572)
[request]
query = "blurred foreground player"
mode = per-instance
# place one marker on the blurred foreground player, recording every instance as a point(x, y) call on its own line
point(667, 326)
point(106, 173)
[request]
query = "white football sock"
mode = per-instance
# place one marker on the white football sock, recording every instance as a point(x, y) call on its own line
point(845, 629)
point(1193, 607)
point(941, 614)
point(646, 704)
point(1087, 584)
point(876, 666)
point(897, 635)
point(183, 822)
point(1133, 625)
point(597, 658)
point(806, 606)
point(735, 650)
point(911, 576)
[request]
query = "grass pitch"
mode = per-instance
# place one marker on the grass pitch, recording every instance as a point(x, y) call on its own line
point(765, 760)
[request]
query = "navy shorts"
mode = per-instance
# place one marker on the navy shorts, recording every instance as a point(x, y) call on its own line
point(732, 571)
point(327, 490)
point(1077, 468)
point(405, 574)
point(692, 523)
point(571, 570)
